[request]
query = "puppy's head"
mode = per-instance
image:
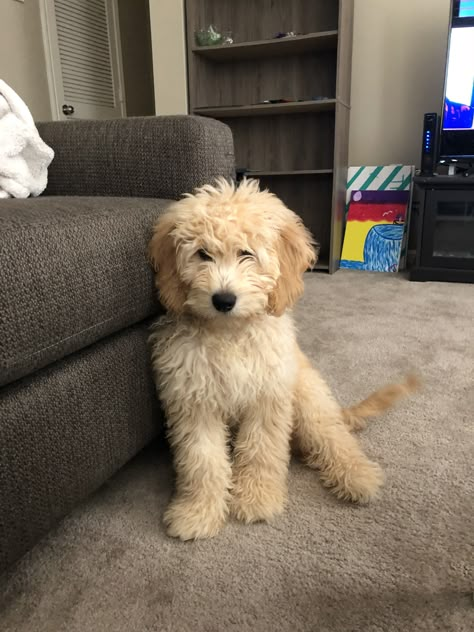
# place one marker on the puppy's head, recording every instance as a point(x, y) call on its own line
point(229, 251)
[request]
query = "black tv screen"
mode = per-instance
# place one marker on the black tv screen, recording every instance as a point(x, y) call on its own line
point(457, 136)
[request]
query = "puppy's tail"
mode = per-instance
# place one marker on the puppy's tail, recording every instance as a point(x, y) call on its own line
point(356, 416)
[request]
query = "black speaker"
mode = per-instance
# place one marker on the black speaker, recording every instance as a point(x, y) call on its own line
point(429, 144)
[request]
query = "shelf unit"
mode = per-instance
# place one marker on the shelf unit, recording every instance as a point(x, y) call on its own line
point(297, 148)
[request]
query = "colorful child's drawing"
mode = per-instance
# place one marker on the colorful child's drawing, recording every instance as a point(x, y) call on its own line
point(382, 178)
point(374, 230)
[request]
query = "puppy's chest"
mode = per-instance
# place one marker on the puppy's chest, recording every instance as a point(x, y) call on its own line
point(229, 368)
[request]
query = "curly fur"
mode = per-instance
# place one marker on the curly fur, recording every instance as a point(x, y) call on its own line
point(235, 386)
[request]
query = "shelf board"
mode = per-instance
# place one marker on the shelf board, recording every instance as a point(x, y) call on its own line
point(324, 40)
point(322, 264)
point(267, 109)
point(298, 172)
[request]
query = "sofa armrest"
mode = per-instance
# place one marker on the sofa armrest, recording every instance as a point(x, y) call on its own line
point(160, 157)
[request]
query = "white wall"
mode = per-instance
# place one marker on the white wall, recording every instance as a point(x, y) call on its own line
point(22, 60)
point(169, 56)
point(397, 75)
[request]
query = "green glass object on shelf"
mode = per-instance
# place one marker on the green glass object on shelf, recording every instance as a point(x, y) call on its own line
point(209, 37)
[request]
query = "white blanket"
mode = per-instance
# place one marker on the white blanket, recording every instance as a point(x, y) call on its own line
point(24, 157)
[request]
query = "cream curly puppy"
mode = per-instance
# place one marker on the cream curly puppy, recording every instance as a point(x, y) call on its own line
point(229, 264)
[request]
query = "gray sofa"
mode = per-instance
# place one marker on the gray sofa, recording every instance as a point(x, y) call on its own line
point(76, 299)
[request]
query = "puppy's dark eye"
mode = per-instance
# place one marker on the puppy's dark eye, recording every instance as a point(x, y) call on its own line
point(204, 255)
point(245, 254)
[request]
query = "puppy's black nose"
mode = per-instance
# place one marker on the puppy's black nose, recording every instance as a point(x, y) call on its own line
point(224, 301)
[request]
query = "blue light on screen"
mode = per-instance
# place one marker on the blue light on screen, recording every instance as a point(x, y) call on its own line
point(466, 9)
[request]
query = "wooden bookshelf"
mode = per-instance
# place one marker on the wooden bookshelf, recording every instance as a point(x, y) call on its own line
point(298, 148)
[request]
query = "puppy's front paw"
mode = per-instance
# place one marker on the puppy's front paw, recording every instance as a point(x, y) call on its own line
point(192, 520)
point(360, 483)
point(257, 501)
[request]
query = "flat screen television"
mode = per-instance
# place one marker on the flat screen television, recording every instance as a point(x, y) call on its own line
point(457, 128)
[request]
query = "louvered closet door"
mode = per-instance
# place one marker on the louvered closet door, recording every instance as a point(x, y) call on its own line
point(88, 65)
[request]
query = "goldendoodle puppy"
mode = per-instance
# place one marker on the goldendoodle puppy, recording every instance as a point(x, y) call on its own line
point(229, 264)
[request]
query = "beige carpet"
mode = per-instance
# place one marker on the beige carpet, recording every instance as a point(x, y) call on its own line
point(401, 564)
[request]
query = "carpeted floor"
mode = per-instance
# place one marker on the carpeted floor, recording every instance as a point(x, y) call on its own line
point(401, 564)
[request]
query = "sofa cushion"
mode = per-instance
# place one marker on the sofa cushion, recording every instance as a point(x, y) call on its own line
point(72, 270)
point(64, 430)
point(152, 156)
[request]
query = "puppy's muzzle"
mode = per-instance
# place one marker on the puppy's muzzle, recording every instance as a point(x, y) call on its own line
point(224, 301)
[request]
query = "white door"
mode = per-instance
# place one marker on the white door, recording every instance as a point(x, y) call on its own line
point(83, 58)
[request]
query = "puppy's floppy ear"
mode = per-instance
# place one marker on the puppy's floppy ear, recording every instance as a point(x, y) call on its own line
point(162, 255)
point(296, 252)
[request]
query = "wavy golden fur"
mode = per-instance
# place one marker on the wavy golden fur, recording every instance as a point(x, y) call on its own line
point(234, 383)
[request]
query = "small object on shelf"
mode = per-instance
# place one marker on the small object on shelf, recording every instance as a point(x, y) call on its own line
point(280, 34)
point(208, 37)
point(227, 38)
point(319, 98)
point(275, 101)
point(300, 100)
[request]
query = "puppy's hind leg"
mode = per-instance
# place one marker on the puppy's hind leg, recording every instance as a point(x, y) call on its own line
point(326, 442)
